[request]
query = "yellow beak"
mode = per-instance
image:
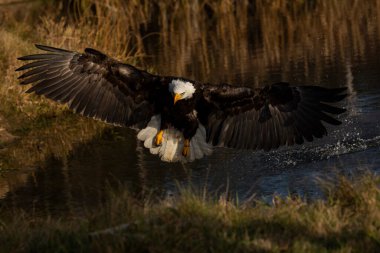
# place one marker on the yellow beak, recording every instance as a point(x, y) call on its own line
point(177, 97)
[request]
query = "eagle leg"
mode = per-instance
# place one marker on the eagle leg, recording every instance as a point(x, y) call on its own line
point(158, 139)
point(186, 147)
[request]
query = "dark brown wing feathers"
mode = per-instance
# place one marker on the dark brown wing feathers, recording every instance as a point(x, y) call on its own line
point(98, 86)
point(267, 118)
point(91, 83)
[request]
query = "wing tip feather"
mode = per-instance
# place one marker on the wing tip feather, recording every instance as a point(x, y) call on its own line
point(51, 49)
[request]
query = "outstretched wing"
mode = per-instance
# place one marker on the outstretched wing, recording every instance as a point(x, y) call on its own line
point(92, 84)
point(267, 118)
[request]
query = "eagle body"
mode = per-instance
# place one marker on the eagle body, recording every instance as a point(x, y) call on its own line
point(181, 119)
point(181, 114)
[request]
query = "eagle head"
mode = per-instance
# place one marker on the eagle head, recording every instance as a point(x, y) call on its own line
point(181, 89)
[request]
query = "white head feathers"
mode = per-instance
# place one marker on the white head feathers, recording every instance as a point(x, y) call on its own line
point(183, 88)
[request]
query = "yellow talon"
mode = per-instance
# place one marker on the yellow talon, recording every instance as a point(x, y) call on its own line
point(159, 137)
point(186, 148)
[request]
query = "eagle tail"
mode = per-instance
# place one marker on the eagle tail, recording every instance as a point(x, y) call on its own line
point(172, 144)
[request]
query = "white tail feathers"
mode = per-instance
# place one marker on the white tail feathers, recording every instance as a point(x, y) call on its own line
point(171, 147)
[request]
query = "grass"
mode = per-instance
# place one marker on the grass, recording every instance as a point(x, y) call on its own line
point(44, 128)
point(347, 221)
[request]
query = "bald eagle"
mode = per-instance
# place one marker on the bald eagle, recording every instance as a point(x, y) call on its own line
point(180, 119)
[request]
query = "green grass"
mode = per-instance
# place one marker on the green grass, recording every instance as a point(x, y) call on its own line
point(43, 129)
point(348, 221)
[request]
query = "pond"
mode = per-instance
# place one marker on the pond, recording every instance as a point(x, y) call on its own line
point(336, 55)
